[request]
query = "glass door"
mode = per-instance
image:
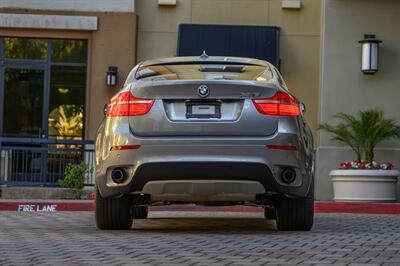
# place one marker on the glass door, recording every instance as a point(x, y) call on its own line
point(23, 108)
point(23, 102)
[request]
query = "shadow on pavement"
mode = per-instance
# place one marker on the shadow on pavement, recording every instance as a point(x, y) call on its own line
point(205, 224)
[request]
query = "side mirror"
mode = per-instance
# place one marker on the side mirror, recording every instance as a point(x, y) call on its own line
point(105, 108)
point(303, 107)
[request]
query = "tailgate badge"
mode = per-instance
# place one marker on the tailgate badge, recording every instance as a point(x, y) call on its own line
point(203, 91)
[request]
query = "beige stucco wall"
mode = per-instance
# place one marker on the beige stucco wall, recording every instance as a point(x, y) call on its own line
point(344, 88)
point(112, 44)
point(300, 35)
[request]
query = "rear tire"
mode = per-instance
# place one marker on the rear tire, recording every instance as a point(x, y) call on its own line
point(112, 213)
point(295, 213)
point(140, 212)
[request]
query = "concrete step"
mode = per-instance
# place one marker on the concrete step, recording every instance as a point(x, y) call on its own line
point(40, 193)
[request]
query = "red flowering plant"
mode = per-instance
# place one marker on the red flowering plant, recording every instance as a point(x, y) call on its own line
point(366, 165)
point(362, 133)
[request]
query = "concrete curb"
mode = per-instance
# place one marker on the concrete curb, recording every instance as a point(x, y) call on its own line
point(87, 205)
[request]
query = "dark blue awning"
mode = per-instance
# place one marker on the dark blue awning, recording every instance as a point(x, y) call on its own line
point(261, 42)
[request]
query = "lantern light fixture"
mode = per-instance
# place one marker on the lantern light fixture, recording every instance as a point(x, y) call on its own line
point(112, 76)
point(369, 54)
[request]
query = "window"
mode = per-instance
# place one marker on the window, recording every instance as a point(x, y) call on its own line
point(68, 51)
point(67, 99)
point(280, 79)
point(21, 48)
point(38, 106)
point(67, 88)
point(205, 71)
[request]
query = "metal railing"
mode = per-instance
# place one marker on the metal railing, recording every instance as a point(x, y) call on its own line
point(42, 162)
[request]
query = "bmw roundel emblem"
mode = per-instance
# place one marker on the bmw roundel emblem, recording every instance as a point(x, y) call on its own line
point(203, 91)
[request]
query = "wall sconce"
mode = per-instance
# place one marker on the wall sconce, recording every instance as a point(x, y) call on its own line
point(112, 75)
point(370, 54)
point(291, 4)
point(167, 2)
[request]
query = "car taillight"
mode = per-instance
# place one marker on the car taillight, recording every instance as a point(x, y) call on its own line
point(125, 104)
point(281, 104)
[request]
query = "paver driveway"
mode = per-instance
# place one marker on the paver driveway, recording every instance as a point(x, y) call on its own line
point(205, 239)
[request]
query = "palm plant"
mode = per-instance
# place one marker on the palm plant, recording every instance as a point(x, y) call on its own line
point(69, 124)
point(363, 132)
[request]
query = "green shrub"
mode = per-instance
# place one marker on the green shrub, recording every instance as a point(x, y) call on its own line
point(74, 179)
point(363, 132)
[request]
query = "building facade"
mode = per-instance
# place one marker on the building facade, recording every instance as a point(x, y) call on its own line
point(343, 86)
point(63, 49)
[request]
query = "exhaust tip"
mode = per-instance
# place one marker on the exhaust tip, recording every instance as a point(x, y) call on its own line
point(118, 175)
point(288, 175)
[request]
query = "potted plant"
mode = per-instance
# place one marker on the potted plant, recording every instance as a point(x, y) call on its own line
point(363, 179)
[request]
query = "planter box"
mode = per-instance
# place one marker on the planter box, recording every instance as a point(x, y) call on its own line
point(364, 185)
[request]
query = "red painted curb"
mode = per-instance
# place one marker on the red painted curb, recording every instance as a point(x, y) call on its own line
point(42, 206)
point(320, 207)
point(367, 208)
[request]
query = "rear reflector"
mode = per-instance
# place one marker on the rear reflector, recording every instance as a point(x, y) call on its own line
point(125, 104)
point(282, 147)
point(125, 147)
point(281, 104)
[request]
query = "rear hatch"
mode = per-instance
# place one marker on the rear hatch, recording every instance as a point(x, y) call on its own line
point(218, 104)
point(178, 110)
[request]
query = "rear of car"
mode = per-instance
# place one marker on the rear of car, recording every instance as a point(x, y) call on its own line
point(208, 130)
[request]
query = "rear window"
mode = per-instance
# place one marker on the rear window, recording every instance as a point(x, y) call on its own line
point(205, 72)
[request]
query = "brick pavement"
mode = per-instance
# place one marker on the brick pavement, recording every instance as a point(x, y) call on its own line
point(70, 238)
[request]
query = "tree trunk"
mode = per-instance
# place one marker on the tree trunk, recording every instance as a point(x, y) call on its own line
point(369, 155)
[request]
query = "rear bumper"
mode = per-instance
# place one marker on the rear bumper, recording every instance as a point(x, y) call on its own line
point(186, 176)
point(204, 158)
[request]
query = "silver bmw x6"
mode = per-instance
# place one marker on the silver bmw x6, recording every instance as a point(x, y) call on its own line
point(205, 130)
